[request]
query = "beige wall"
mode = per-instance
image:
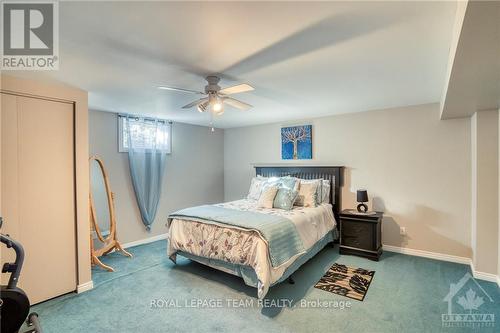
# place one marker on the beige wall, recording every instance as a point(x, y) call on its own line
point(484, 137)
point(194, 173)
point(416, 168)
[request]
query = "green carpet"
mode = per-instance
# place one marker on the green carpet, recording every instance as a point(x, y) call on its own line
point(406, 295)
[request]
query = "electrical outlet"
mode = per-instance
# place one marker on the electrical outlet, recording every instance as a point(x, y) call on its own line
point(402, 231)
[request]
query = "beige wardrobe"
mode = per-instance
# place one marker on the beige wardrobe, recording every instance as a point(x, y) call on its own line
point(43, 191)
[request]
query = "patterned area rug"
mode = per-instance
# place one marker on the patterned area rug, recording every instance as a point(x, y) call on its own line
point(346, 281)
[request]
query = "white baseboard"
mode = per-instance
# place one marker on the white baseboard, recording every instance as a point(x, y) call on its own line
point(445, 257)
point(428, 254)
point(84, 287)
point(145, 241)
point(483, 275)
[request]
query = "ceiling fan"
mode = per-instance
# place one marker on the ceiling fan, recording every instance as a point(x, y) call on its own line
point(215, 96)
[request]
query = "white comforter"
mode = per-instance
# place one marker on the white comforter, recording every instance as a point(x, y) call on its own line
point(244, 247)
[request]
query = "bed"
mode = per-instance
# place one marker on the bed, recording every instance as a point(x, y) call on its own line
point(263, 246)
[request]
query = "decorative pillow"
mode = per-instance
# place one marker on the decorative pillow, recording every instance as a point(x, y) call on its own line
point(256, 187)
point(308, 196)
point(319, 192)
point(290, 182)
point(266, 199)
point(325, 191)
point(319, 188)
point(285, 198)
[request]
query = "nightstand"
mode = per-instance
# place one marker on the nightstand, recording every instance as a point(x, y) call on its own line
point(361, 235)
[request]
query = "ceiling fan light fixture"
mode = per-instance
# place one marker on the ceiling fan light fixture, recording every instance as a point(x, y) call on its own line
point(217, 107)
point(215, 103)
point(220, 111)
point(215, 97)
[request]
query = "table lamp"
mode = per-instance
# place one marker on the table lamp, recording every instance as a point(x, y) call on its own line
point(362, 197)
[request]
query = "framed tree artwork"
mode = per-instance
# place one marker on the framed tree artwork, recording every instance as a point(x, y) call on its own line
point(296, 142)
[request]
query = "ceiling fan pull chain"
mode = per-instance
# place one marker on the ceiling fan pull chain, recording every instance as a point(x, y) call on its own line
point(212, 129)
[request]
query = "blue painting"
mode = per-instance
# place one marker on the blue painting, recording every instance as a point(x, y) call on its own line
point(296, 143)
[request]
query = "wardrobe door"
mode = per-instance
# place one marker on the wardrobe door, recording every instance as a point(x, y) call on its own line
point(45, 192)
point(8, 141)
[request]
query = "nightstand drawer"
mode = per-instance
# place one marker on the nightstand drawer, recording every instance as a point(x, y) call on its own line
point(357, 234)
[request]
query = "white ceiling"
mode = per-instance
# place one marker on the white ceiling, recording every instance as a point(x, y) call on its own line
point(304, 59)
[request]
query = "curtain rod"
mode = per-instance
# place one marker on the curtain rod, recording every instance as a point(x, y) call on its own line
point(144, 117)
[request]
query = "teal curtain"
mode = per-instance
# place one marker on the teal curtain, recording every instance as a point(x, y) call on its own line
point(147, 162)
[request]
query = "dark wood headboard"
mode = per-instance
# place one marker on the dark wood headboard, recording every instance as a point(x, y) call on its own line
point(333, 173)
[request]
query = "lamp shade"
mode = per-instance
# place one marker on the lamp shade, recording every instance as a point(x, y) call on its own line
point(362, 196)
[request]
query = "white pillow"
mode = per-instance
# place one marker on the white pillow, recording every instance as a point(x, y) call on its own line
point(308, 193)
point(325, 191)
point(266, 199)
point(256, 187)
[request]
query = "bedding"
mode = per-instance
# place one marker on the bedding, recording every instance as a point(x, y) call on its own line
point(279, 232)
point(267, 196)
point(256, 187)
point(290, 182)
point(308, 193)
point(259, 184)
point(238, 243)
point(285, 198)
point(325, 191)
point(248, 274)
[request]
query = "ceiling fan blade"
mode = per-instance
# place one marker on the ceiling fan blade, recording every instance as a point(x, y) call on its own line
point(202, 107)
point(236, 89)
point(190, 105)
point(181, 89)
point(237, 104)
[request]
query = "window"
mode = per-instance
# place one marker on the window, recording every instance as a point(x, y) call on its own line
point(147, 133)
